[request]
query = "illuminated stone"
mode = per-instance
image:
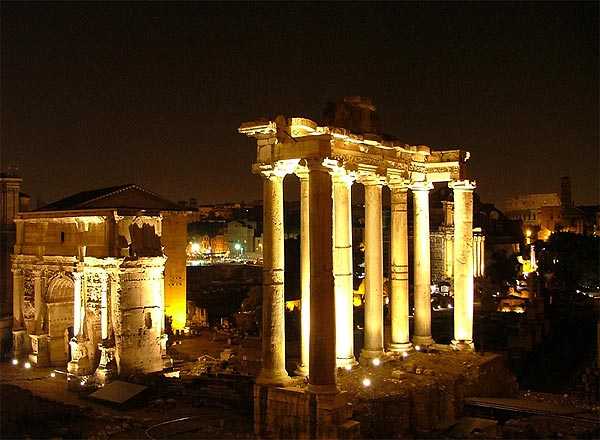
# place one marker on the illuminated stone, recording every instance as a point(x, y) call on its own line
point(422, 274)
point(399, 271)
point(463, 263)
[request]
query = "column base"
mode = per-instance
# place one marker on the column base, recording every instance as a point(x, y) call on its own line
point(301, 370)
point(322, 389)
point(423, 341)
point(462, 345)
point(277, 378)
point(345, 362)
point(367, 355)
point(107, 369)
point(19, 341)
point(400, 347)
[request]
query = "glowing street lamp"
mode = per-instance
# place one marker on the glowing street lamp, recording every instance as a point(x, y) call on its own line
point(366, 382)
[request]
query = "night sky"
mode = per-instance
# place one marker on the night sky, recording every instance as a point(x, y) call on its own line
point(97, 94)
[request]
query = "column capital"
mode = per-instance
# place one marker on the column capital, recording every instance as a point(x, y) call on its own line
point(462, 185)
point(17, 271)
point(421, 186)
point(77, 275)
point(340, 175)
point(302, 172)
point(276, 169)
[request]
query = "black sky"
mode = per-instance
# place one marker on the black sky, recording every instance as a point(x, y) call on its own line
point(97, 94)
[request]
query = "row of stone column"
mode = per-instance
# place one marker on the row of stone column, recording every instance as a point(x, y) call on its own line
point(326, 272)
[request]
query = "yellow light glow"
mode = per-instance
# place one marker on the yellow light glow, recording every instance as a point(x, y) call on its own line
point(528, 233)
point(418, 347)
point(195, 248)
point(53, 374)
point(366, 382)
point(376, 362)
point(348, 367)
point(82, 383)
point(27, 365)
point(15, 362)
point(404, 354)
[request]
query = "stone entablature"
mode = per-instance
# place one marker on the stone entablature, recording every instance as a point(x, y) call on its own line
point(300, 138)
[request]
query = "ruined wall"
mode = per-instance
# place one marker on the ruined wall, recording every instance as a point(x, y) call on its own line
point(174, 240)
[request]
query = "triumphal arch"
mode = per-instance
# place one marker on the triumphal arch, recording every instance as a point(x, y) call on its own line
point(328, 160)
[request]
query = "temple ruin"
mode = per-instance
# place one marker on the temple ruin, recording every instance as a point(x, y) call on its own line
point(328, 160)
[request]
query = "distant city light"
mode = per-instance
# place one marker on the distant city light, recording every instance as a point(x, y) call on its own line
point(237, 247)
point(366, 382)
point(15, 362)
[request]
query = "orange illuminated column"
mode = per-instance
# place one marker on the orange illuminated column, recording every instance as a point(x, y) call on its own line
point(273, 319)
point(422, 269)
point(174, 240)
point(399, 273)
point(463, 263)
point(17, 299)
point(342, 268)
point(302, 369)
point(322, 379)
point(373, 347)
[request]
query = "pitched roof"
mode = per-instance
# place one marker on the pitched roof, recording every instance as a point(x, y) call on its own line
point(128, 196)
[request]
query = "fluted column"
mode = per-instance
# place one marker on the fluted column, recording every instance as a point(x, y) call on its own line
point(273, 315)
point(104, 305)
point(17, 301)
point(463, 263)
point(399, 270)
point(422, 269)
point(322, 359)
point(342, 268)
point(78, 311)
point(373, 346)
point(38, 286)
point(304, 273)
